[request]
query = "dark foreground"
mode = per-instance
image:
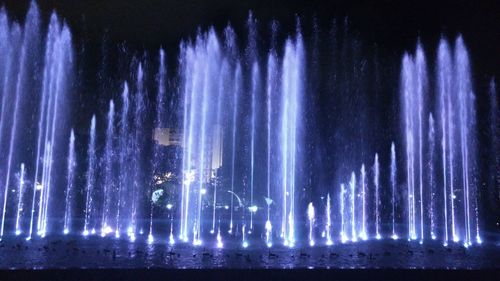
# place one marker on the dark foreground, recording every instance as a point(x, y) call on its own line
point(94, 258)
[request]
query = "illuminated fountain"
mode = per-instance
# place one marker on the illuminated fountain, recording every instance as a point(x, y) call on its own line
point(238, 123)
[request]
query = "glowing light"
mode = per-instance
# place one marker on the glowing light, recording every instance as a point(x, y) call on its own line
point(394, 237)
point(203, 191)
point(378, 237)
point(478, 240)
point(18, 232)
point(171, 239)
point(169, 206)
point(65, 231)
point(150, 239)
point(245, 244)
point(253, 209)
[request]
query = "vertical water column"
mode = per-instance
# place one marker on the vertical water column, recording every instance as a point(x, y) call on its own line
point(289, 135)
point(159, 124)
point(137, 149)
point(124, 157)
point(393, 190)
point(376, 182)
point(20, 87)
point(237, 89)
point(55, 89)
point(90, 178)
point(363, 235)
point(432, 185)
point(109, 180)
point(444, 77)
point(20, 204)
point(413, 90)
point(343, 230)
point(71, 166)
point(352, 186)
point(271, 90)
point(467, 123)
point(200, 70)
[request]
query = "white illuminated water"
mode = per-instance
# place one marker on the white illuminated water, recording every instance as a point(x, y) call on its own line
point(239, 120)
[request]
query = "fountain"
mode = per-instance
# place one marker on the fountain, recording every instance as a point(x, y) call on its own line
point(240, 131)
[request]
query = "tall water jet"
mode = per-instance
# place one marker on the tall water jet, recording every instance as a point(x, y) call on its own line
point(21, 88)
point(20, 204)
point(237, 88)
point(343, 229)
point(393, 190)
point(311, 217)
point(137, 147)
point(495, 158)
point(328, 225)
point(291, 115)
point(70, 182)
point(432, 185)
point(109, 180)
point(200, 69)
point(11, 42)
point(90, 178)
point(124, 157)
point(352, 186)
point(159, 123)
point(363, 235)
point(466, 111)
point(254, 91)
point(444, 77)
point(272, 77)
point(413, 90)
point(376, 183)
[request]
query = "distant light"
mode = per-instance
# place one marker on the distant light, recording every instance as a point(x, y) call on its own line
point(245, 244)
point(456, 239)
point(269, 244)
point(378, 236)
point(394, 236)
point(85, 233)
point(93, 231)
point(311, 243)
point(421, 242)
point(363, 236)
point(329, 242)
point(150, 239)
point(478, 240)
point(38, 186)
point(65, 231)
point(141, 232)
point(117, 234)
point(169, 206)
point(18, 232)
point(226, 207)
point(433, 236)
point(197, 242)
point(203, 191)
point(253, 208)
